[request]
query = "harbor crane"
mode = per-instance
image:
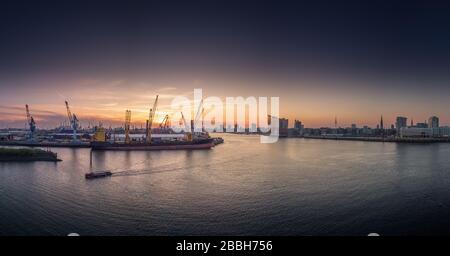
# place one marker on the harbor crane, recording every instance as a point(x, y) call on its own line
point(31, 123)
point(73, 120)
point(150, 120)
point(201, 113)
point(204, 113)
point(127, 126)
point(165, 123)
point(186, 128)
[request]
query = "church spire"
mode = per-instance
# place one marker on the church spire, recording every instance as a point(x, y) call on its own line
point(381, 123)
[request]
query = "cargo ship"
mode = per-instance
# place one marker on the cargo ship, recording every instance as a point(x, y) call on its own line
point(157, 145)
point(187, 140)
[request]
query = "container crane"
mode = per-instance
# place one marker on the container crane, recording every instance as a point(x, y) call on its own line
point(186, 128)
point(150, 120)
point(73, 120)
point(127, 126)
point(31, 123)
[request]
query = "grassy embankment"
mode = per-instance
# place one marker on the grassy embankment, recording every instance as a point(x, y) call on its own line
point(26, 154)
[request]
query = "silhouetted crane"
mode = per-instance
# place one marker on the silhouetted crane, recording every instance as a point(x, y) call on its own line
point(73, 120)
point(127, 126)
point(31, 123)
point(150, 120)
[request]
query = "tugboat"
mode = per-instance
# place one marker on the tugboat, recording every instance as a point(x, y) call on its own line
point(218, 140)
point(97, 174)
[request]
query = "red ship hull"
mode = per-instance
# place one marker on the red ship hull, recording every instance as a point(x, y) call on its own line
point(206, 144)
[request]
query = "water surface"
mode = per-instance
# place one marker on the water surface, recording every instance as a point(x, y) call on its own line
point(242, 187)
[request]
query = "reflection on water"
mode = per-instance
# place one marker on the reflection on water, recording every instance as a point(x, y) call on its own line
point(293, 187)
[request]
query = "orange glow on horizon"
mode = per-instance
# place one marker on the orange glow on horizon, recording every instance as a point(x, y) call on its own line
point(95, 101)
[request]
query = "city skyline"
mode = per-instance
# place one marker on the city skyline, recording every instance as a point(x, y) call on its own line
point(110, 107)
point(60, 118)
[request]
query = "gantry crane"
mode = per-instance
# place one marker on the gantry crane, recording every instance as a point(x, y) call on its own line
point(31, 123)
point(73, 120)
point(150, 120)
point(127, 126)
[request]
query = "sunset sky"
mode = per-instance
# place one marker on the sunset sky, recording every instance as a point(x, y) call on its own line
point(352, 61)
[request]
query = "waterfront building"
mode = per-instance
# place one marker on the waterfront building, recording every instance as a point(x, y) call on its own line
point(283, 127)
point(422, 125)
point(444, 131)
point(254, 128)
point(433, 122)
point(299, 127)
point(293, 132)
point(401, 122)
point(414, 132)
point(366, 131)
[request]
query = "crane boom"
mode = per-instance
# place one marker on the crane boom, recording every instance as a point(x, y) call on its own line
point(69, 114)
point(28, 113)
point(73, 121)
point(127, 126)
point(164, 122)
point(185, 124)
point(199, 113)
point(31, 123)
point(150, 120)
point(186, 127)
point(204, 113)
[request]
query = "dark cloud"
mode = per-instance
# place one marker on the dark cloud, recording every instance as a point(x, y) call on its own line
point(260, 37)
point(399, 50)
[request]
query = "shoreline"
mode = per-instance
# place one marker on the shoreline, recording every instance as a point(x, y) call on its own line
point(46, 144)
point(381, 139)
point(27, 155)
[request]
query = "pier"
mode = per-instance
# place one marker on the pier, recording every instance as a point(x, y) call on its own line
point(382, 139)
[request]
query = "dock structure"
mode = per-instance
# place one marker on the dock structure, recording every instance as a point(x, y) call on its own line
point(46, 144)
point(381, 139)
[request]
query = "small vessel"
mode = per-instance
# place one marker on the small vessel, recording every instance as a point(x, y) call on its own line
point(218, 140)
point(97, 174)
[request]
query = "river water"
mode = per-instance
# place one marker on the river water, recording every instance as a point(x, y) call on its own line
point(242, 187)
